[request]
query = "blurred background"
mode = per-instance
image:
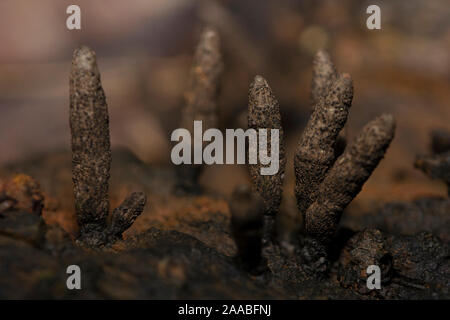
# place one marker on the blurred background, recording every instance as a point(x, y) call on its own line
point(145, 47)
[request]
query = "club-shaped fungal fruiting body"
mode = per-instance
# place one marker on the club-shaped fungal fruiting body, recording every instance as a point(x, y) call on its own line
point(91, 157)
point(201, 97)
point(315, 153)
point(264, 113)
point(323, 77)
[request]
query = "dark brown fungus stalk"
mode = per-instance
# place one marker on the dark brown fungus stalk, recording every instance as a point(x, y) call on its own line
point(124, 215)
point(323, 77)
point(246, 209)
point(347, 176)
point(315, 152)
point(201, 95)
point(264, 113)
point(203, 85)
point(91, 151)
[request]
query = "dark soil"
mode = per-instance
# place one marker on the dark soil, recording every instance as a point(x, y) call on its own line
point(181, 247)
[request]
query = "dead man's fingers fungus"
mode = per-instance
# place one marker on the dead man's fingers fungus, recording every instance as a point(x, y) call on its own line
point(315, 152)
point(264, 113)
point(347, 176)
point(201, 96)
point(91, 156)
point(91, 152)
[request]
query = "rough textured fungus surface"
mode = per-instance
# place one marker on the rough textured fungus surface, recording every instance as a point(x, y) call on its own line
point(264, 113)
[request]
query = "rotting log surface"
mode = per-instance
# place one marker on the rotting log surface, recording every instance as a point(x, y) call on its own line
point(171, 262)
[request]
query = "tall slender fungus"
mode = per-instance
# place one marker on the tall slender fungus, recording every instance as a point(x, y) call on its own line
point(324, 75)
point(264, 113)
point(347, 176)
point(201, 95)
point(91, 156)
point(91, 152)
point(315, 152)
point(203, 84)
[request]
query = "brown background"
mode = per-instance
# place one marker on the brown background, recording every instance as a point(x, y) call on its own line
point(145, 48)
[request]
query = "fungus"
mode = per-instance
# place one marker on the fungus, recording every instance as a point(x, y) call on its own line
point(315, 153)
point(201, 97)
point(91, 156)
point(324, 75)
point(347, 176)
point(264, 113)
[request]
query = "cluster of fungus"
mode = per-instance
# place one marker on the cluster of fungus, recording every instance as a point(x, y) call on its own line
point(328, 172)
